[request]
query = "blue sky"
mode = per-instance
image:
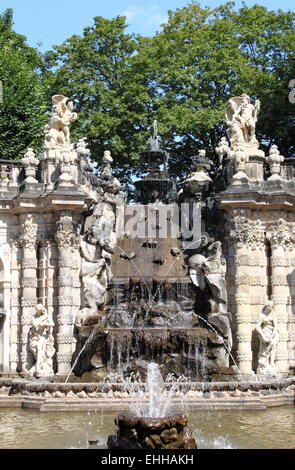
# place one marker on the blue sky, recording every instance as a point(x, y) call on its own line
point(51, 22)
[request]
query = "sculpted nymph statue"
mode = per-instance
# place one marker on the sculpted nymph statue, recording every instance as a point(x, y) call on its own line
point(268, 334)
point(42, 342)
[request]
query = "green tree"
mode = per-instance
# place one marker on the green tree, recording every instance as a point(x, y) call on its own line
point(99, 71)
point(22, 110)
point(183, 77)
point(203, 57)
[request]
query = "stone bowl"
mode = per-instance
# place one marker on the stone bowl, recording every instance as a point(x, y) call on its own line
point(152, 433)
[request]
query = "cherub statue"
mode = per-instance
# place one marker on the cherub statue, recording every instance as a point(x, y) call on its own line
point(241, 116)
point(57, 131)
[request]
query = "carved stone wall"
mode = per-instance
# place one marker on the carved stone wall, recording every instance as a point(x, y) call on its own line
point(260, 258)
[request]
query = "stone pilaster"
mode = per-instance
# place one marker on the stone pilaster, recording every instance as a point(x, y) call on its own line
point(250, 279)
point(15, 306)
point(66, 240)
point(239, 247)
point(28, 241)
point(280, 237)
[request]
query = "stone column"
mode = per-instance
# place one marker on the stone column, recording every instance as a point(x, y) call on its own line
point(243, 312)
point(240, 250)
point(291, 303)
point(66, 240)
point(280, 237)
point(5, 303)
point(15, 301)
point(28, 241)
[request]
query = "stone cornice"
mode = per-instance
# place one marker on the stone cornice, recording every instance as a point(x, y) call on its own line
point(53, 202)
point(255, 199)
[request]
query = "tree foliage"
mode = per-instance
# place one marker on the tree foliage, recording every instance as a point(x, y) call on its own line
point(203, 57)
point(183, 76)
point(23, 105)
point(110, 92)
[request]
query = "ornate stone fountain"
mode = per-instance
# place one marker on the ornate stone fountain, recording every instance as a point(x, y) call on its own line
point(150, 305)
point(155, 426)
point(189, 289)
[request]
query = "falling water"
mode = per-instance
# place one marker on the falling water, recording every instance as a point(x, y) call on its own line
point(158, 402)
point(89, 339)
point(225, 345)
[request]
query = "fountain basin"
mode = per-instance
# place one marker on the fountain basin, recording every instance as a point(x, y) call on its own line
point(152, 433)
point(194, 352)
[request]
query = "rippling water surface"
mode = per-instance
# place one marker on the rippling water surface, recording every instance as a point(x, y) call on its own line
point(30, 429)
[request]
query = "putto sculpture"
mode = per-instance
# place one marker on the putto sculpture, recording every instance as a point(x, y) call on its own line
point(42, 342)
point(241, 117)
point(57, 131)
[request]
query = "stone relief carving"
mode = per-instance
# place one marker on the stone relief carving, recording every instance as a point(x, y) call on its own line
point(241, 117)
point(268, 334)
point(57, 131)
point(281, 234)
point(29, 228)
point(41, 342)
point(65, 236)
point(247, 232)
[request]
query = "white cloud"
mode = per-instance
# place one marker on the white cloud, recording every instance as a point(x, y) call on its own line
point(145, 16)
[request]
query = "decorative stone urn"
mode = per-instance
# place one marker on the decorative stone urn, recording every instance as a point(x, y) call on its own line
point(152, 433)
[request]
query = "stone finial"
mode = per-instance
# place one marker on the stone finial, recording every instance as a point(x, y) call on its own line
point(82, 149)
point(106, 170)
point(274, 160)
point(201, 162)
point(199, 178)
point(84, 154)
point(222, 150)
point(107, 158)
point(30, 163)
